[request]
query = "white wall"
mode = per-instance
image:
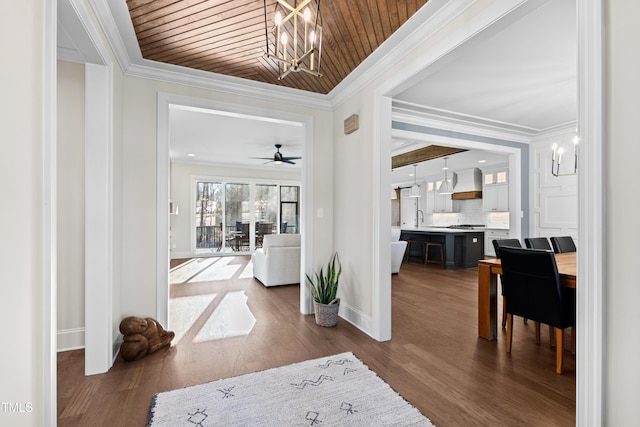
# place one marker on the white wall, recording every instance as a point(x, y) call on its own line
point(181, 194)
point(70, 193)
point(24, 358)
point(139, 182)
point(553, 200)
point(622, 92)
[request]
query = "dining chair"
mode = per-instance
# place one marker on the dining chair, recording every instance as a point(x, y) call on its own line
point(535, 292)
point(563, 244)
point(497, 244)
point(537, 243)
point(262, 228)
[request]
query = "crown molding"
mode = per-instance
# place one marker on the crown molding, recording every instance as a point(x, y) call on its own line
point(423, 24)
point(449, 120)
point(115, 20)
point(459, 124)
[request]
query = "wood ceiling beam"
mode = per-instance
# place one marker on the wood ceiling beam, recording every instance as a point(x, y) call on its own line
point(423, 154)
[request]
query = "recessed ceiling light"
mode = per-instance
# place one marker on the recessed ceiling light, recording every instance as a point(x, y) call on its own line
point(482, 161)
point(191, 155)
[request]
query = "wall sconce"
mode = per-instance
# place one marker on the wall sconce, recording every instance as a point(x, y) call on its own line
point(556, 153)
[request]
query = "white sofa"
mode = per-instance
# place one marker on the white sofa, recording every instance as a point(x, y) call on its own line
point(277, 262)
point(398, 247)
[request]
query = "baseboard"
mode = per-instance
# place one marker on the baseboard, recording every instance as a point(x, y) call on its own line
point(180, 255)
point(117, 342)
point(355, 317)
point(70, 339)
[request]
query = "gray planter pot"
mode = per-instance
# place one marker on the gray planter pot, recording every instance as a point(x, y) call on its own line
point(326, 314)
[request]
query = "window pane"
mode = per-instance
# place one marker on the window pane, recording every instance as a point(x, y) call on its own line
point(208, 215)
point(289, 194)
point(237, 214)
point(266, 203)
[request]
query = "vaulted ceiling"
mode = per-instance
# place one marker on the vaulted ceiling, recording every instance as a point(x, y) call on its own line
point(228, 37)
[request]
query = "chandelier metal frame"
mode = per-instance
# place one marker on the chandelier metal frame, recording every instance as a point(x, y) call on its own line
point(289, 21)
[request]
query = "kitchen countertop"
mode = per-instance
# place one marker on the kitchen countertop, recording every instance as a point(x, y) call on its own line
point(443, 230)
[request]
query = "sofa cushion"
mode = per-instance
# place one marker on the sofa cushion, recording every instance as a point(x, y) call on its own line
point(395, 234)
point(280, 240)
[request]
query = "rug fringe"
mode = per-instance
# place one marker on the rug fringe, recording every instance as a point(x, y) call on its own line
point(152, 409)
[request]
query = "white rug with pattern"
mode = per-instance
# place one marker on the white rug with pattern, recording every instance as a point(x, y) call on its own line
point(337, 390)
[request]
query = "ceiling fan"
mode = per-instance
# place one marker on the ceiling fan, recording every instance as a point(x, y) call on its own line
point(278, 158)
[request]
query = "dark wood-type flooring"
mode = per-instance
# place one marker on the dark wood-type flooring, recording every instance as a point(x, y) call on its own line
point(435, 360)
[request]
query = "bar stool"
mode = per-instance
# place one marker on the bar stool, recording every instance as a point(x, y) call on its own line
point(415, 245)
point(440, 247)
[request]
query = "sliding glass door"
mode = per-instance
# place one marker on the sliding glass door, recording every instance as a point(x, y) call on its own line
point(233, 217)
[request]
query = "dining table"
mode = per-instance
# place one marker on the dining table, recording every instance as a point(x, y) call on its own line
point(488, 271)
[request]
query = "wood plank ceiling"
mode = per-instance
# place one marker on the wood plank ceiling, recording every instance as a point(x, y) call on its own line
point(228, 36)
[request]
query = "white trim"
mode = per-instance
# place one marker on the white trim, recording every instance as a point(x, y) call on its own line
point(98, 218)
point(591, 296)
point(427, 21)
point(356, 317)
point(165, 101)
point(381, 292)
point(498, 131)
point(163, 179)
point(49, 209)
point(70, 339)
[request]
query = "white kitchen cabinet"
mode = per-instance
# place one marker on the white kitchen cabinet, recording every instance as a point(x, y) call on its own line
point(495, 198)
point(436, 203)
point(495, 176)
point(443, 203)
point(489, 236)
point(495, 190)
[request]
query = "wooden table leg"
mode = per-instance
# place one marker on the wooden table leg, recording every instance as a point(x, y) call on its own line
point(487, 303)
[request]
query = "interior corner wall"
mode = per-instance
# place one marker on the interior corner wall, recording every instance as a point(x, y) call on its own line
point(622, 110)
point(139, 186)
point(70, 211)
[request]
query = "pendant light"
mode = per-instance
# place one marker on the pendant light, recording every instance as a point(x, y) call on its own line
point(415, 188)
point(446, 187)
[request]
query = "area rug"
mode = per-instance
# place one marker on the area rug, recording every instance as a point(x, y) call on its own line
point(337, 390)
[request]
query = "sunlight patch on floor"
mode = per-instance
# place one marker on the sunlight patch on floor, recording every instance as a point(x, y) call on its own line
point(224, 269)
point(247, 273)
point(231, 318)
point(184, 311)
point(184, 272)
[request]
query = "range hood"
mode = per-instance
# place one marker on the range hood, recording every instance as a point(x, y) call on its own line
point(469, 185)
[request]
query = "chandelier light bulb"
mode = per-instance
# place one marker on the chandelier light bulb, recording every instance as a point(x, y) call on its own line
point(277, 18)
point(312, 37)
point(284, 38)
point(307, 15)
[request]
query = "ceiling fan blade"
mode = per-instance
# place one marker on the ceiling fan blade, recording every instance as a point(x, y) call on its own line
point(286, 160)
point(291, 158)
point(262, 158)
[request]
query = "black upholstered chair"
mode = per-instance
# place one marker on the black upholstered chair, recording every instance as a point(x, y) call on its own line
point(537, 243)
point(563, 244)
point(535, 292)
point(497, 244)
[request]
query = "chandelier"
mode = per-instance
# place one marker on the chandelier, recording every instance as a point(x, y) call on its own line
point(556, 158)
point(297, 37)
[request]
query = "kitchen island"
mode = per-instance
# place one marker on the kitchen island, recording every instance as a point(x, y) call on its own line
point(463, 247)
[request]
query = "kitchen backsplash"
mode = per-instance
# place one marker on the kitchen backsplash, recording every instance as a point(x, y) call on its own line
point(470, 212)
